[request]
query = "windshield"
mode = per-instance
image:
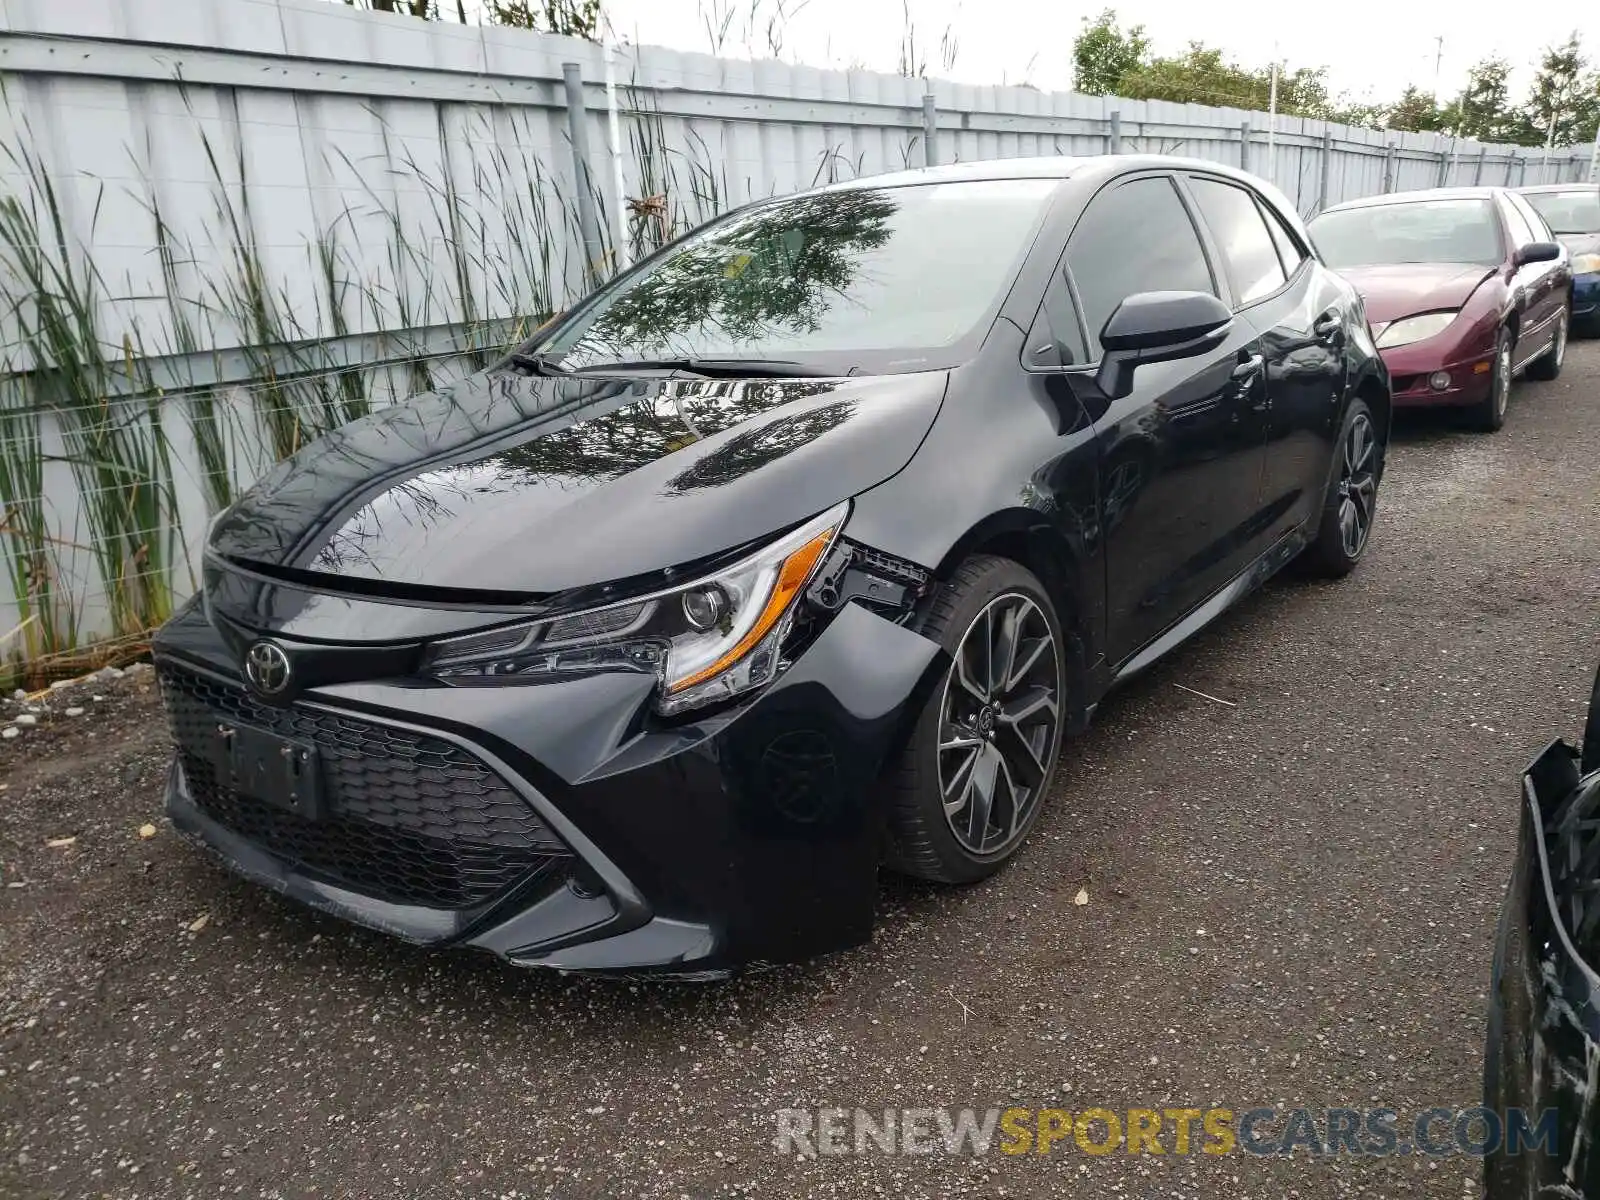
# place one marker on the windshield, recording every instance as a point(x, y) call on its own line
point(879, 278)
point(1568, 212)
point(1416, 231)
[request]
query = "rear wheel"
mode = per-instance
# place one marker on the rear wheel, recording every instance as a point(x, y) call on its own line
point(984, 749)
point(1490, 413)
point(1352, 500)
point(1548, 365)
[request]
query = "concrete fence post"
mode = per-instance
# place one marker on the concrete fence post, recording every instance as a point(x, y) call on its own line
point(1327, 169)
point(1244, 146)
point(1114, 138)
point(1388, 168)
point(578, 131)
point(1477, 172)
point(1444, 169)
point(930, 129)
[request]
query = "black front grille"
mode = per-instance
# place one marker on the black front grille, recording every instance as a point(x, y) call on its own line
point(406, 818)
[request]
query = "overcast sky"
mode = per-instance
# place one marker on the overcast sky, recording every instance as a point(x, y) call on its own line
point(1372, 48)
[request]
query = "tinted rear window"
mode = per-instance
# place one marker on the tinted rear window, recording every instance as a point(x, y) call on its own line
point(1416, 231)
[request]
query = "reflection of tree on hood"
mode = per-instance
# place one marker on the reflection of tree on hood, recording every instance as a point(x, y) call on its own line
point(766, 443)
point(639, 433)
point(776, 270)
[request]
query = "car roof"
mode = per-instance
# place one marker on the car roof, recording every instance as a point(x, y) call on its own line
point(1061, 167)
point(1443, 193)
point(1577, 185)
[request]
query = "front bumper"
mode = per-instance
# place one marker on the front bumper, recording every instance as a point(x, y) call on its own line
point(1410, 368)
point(1586, 302)
point(556, 825)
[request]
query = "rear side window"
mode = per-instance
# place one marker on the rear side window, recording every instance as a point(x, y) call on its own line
point(1247, 247)
point(1289, 250)
point(1136, 237)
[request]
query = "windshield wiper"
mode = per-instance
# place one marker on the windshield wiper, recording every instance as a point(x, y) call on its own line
point(539, 364)
point(713, 368)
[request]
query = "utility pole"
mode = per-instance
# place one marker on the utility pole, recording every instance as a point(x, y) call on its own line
point(1438, 57)
point(1594, 158)
point(1272, 121)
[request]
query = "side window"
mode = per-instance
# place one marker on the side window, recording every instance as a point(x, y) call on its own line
point(1536, 223)
point(1247, 247)
point(1521, 231)
point(1136, 237)
point(1290, 252)
point(1056, 339)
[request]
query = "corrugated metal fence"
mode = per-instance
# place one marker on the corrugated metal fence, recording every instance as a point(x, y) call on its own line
point(274, 214)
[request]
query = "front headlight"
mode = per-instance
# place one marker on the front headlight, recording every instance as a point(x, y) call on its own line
point(707, 640)
point(1414, 329)
point(1585, 264)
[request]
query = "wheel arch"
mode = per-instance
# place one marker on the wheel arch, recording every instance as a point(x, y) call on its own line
point(1027, 537)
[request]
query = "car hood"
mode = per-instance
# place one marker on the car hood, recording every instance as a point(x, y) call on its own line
point(1395, 290)
point(535, 485)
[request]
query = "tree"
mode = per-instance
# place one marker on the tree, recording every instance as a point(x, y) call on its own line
point(1416, 112)
point(1104, 53)
point(428, 10)
point(1203, 75)
point(1484, 111)
point(574, 18)
point(1565, 100)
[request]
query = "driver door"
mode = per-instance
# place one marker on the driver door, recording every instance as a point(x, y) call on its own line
point(1180, 458)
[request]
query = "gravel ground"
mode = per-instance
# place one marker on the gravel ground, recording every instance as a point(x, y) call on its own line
point(1291, 900)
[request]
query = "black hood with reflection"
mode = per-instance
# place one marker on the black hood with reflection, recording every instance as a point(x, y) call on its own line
point(529, 485)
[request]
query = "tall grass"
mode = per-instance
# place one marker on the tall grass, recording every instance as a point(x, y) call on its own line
point(93, 386)
point(114, 445)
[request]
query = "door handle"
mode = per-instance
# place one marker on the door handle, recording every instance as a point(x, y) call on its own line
point(1249, 368)
point(1329, 328)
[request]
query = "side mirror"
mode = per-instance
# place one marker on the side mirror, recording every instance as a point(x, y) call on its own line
point(1158, 327)
point(1536, 252)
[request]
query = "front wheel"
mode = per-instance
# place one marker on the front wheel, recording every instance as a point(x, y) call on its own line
point(1490, 413)
point(1548, 365)
point(982, 754)
point(1352, 499)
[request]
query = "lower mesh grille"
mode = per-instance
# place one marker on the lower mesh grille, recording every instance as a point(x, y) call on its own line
point(407, 819)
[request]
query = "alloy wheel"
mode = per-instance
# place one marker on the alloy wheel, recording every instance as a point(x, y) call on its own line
point(1358, 484)
point(999, 722)
point(1559, 350)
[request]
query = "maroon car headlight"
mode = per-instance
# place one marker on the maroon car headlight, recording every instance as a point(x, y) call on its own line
point(705, 641)
point(1414, 329)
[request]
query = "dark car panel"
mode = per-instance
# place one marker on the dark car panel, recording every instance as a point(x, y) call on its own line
point(1544, 1000)
point(658, 473)
point(568, 489)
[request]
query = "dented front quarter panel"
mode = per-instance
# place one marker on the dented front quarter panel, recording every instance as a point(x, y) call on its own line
point(1543, 1049)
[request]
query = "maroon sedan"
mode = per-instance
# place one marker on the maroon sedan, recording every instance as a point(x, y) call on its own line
point(1465, 288)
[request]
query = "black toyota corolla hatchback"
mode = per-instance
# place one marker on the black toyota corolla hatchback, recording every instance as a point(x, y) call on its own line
point(795, 550)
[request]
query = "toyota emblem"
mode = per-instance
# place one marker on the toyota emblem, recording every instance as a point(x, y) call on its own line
point(266, 666)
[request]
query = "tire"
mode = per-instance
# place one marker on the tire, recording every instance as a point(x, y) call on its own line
point(1490, 413)
point(1352, 496)
point(1548, 365)
point(979, 725)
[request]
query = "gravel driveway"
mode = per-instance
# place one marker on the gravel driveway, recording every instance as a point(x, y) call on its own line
point(1291, 899)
